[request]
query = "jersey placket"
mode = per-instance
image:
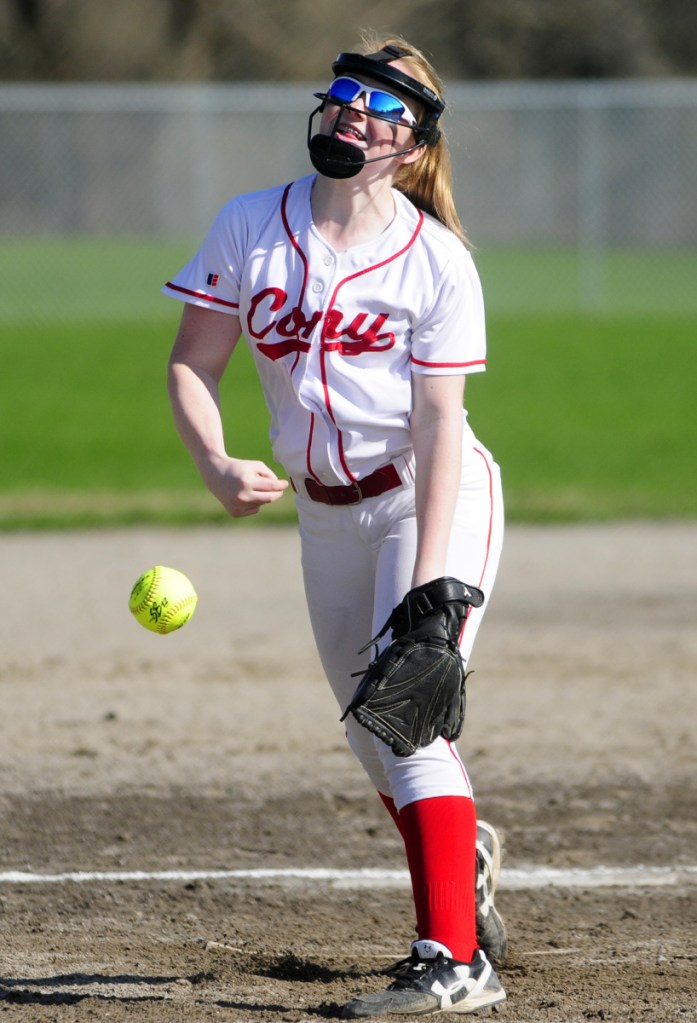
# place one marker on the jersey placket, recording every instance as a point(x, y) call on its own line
point(312, 391)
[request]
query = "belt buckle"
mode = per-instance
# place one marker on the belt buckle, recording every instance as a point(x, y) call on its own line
point(356, 493)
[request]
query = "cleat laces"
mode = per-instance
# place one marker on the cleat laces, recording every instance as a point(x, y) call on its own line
point(407, 971)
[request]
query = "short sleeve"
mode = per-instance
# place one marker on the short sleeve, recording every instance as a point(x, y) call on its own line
point(212, 277)
point(450, 338)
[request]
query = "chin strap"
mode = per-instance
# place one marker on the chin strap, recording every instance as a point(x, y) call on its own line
point(336, 158)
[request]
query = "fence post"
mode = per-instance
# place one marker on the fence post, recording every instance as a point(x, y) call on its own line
point(592, 201)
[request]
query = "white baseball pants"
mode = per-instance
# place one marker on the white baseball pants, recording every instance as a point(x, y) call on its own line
point(357, 566)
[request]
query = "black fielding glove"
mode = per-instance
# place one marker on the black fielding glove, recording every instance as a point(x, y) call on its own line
point(414, 690)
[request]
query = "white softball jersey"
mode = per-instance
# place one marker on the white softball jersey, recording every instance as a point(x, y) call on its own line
point(336, 336)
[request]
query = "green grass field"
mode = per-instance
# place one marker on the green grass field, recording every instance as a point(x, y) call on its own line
point(590, 416)
point(89, 279)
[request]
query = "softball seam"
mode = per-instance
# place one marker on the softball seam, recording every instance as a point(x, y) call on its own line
point(151, 591)
point(173, 610)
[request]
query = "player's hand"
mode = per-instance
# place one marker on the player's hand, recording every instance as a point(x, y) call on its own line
point(243, 486)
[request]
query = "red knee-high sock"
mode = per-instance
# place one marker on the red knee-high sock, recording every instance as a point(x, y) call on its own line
point(440, 837)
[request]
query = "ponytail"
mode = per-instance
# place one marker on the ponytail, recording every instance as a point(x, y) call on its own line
point(428, 182)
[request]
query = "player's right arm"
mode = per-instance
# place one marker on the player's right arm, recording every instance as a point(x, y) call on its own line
point(205, 341)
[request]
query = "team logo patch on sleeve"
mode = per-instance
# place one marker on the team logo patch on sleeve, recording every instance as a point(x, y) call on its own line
point(213, 279)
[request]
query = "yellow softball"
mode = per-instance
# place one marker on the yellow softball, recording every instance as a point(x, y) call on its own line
point(162, 599)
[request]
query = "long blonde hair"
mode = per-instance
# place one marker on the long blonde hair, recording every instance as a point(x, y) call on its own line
point(428, 182)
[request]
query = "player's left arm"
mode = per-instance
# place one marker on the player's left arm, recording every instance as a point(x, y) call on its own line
point(436, 426)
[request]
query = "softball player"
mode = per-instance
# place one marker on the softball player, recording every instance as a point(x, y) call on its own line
point(361, 305)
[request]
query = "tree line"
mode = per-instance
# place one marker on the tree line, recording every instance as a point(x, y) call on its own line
point(294, 40)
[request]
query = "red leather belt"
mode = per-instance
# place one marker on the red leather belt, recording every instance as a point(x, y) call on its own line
point(379, 482)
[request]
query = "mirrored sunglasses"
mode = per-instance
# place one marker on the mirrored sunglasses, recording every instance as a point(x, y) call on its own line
point(382, 104)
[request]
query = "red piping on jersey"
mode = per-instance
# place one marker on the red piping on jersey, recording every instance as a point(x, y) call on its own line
point(308, 453)
point(294, 243)
point(323, 339)
point(202, 294)
point(301, 298)
point(479, 452)
point(448, 365)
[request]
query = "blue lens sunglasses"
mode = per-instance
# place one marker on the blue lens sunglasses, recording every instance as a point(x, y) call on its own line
point(381, 104)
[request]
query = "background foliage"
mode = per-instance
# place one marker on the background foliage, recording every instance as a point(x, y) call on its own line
point(238, 40)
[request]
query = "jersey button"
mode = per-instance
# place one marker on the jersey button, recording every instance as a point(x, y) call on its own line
point(328, 260)
point(317, 287)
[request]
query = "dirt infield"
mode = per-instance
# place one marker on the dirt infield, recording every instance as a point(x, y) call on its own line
point(219, 749)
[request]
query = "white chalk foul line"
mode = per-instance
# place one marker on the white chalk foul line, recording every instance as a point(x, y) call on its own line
point(522, 878)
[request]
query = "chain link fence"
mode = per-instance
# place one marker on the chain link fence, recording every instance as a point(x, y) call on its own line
point(577, 196)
